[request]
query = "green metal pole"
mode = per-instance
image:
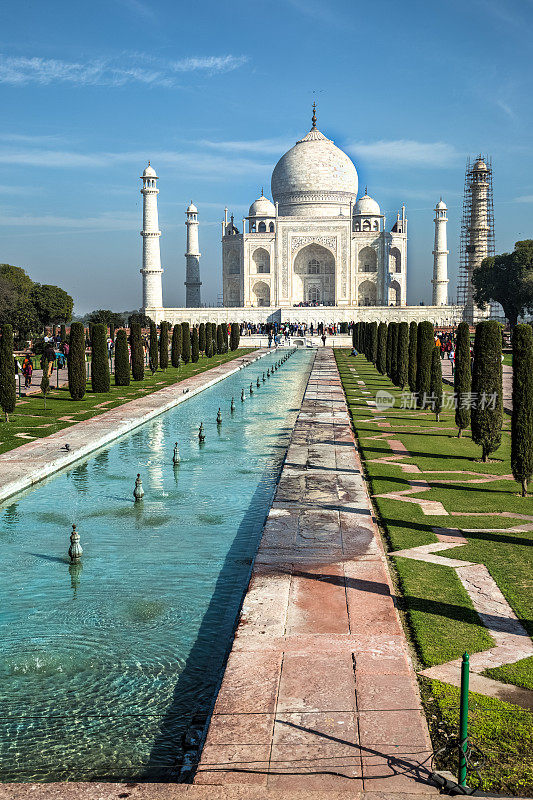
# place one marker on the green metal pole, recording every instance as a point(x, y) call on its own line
point(463, 719)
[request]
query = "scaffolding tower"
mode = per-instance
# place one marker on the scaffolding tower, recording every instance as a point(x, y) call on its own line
point(477, 231)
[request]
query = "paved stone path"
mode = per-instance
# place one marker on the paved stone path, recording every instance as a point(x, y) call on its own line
point(319, 691)
point(33, 461)
point(507, 382)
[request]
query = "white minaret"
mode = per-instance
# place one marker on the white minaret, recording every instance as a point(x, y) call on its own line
point(151, 268)
point(440, 256)
point(192, 275)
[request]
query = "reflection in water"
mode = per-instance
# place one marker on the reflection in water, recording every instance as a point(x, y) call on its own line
point(100, 678)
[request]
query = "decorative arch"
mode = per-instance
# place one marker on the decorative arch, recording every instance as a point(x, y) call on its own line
point(261, 260)
point(395, 293)
point(261, 293)
point(261, 228)
point(395, 260)
point(366, 293)
point(314, 275)
point(368, 260)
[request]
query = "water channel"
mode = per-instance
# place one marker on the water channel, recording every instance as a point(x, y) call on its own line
point(102, 668)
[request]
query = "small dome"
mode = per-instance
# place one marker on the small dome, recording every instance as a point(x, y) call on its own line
point(262, 207)
point(480, 166)
point(367, 205)
point(192, 209)
point(149, 172)
point(442, 205)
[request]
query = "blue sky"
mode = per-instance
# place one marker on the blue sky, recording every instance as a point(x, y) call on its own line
point(214, 93)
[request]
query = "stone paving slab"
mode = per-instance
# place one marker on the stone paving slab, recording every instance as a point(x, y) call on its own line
point(319, 692)
point(31, 462)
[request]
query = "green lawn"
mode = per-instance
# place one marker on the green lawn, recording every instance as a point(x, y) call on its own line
point(440, 616)
point(33, 421)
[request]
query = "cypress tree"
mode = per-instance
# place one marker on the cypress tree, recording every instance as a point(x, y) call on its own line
point(137, 353)
point(486, 422)
point(77, 376)
point(45, 380)
point(522, 416)
point(163, 345)
point(354, 336)
point(225, 336)
point(208, 340)
point(175, 353)
point(8, 394)
point(100, 380)
point(195, 347)
point(153, 359)
point(63, 333)
point(373, 342)
point(112, 331)
point(425, 344)
point(122, 361)
point(389, 349)
point(185, 342)
point(435, 386)
point(402, 360)
point(235, 336)
point(394, 353)
point(54, 331)
point(462, 379)
point(360, 336)
point(220, 340)
point(201, 337)
point(381, 361)
point(411, 370)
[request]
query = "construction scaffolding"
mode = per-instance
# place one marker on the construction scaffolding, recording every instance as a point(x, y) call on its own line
point(477, 230)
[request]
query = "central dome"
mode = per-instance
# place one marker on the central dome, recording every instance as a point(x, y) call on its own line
point(314, 178)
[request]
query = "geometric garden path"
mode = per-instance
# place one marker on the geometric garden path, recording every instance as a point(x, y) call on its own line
point(319, 692)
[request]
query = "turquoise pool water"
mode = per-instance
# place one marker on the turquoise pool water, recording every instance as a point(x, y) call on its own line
point(102, 668)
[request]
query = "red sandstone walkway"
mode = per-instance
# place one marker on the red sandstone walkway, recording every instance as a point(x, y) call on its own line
point(319, 691)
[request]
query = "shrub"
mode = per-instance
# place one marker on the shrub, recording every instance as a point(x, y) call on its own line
point(462, 380)
point(8, 394)
point(163, 345)
point(522, 416)
point(235, 336)
point(344, 327)
point(122, 361)
point(435, 386)
point(77, 376)
point(201, 337)
point(185, 342)
point(220, 340)
point(100, 380)
point(411, 371)
point(195, 348)
point(381, 360)
point(425, 344)
point(137, 353)
point(153, 353)
point(402, 359)
point(175, 352)
point(486, 421)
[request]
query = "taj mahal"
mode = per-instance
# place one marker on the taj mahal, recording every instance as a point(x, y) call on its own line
point(318, 251)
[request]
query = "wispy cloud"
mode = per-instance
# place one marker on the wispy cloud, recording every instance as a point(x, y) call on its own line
point(506, 108)
point(525, 198)
point(266, 146)
point(135, 6)
point(406, 152)
point(117, 72)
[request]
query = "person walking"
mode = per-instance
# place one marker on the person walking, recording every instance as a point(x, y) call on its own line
point(27, 370)
point(323, 340)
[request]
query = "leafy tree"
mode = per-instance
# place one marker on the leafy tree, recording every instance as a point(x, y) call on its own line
point(201, 337)
point(388, 350)
point(137, 354)
point(175, 352)
point(507, 279)
point(220, 340)
point(139, 318)
point(522, 416)
point(411, 370)
point(195, 346)
point(487, 412)
point(163, 345)
point(100, 379)
point(51, 303)
point(77, 377)
point(462, 381)
point(402, 359)
point(394, 353)
point(122, 360)
point(435, 386)
point(208, 340)
point(45, 380)
point(154, 348)
point(235, 336)
point(381, 360)
point(185, 342)
point(16, 308)
point(7, 372)
point(425, 344)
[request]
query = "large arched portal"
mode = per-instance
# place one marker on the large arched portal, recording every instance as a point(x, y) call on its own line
point(261, 294)
point(314, 276)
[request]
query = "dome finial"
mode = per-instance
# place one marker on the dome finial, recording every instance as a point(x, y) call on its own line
point(148, 162)
point(313, 118)
point(366, 190)
point(262, 195)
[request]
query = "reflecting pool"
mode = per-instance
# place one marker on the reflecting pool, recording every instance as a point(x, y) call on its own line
point(103, 665)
